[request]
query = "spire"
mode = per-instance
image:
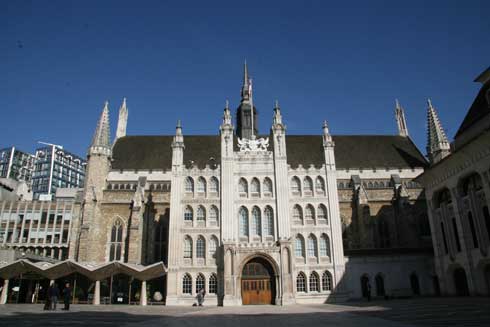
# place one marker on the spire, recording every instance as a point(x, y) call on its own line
point(437, 143)
point(245, 87)
point(179, 137)
point(122, 121)
point(277, 114)
point(102, 132)
point(400, 119)
point(327, 138)
point(227, 114)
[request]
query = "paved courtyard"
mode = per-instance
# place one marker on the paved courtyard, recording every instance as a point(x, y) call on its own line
point(410, 312)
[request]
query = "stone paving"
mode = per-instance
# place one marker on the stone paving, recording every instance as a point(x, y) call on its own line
point(401, 313)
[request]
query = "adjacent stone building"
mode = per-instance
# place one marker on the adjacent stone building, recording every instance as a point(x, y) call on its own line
point(457, 188)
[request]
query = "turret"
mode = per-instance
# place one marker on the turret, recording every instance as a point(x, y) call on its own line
point(178, 147)
point(437, 144)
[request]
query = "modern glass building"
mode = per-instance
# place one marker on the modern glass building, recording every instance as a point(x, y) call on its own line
point(16, 164)
point(56, 168)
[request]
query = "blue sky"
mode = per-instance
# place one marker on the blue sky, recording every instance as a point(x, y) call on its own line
point(342, 61)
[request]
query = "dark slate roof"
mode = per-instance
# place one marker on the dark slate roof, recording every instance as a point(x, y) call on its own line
point(356, 151)
point(351, 151)
point(155, 152)
point(479, 109)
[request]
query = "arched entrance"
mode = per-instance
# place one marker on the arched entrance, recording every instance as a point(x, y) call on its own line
point(460, 282)
point(380, 285)
point(365, 287)
point(258, 282)
point(414, 283)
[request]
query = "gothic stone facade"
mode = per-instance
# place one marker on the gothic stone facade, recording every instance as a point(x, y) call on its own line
point(275, 215)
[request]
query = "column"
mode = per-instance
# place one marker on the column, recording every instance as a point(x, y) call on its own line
point(143, 300)
point(4, 296)
point(97, 293)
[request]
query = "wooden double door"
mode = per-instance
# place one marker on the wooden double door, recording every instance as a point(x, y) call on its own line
point(258, 283)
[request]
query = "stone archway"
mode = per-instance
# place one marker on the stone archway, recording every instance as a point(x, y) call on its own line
point(258, 282)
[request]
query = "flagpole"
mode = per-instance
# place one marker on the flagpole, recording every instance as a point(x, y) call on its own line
point(251, 104)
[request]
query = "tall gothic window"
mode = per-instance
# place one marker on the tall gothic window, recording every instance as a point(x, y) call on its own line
point(314, 282)
point(324, 246)
point(243, 217)
point(201, 185)
point(187, 284)
point(243, 187)
point(188, 247)
point(200, 283)
point(213, 246)
point(307, 186)
point(189, 185)
point(256, 222)
point(312, 246)
point(115, 247)
point(188, 214)
point(299, 247)
point(295, 186)
point(200, 248)
point(322, 213)
point(301, 283)
point(268, 221)
point(213, 185)
point(255, 188)
point(326, 281)
point(213, 213)
point(309, 212)
point(213, 284)
point(201, 214)
point(267, 187)
point(297, 214)
point(320, 186)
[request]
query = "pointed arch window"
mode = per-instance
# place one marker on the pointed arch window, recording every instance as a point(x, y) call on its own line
point(314, 282)
point(243, 188)
point(309, 212)
point(256, 222)
point(187, 284)
point(324, 246)
point(213, 214)
point(243, 219)
point(213, 247)
point(200, 283)
point(299, 247)
point(201, 185)
point(267, 187)
point(115, 247)
point(301, 283)
point(213, 185)
point(255, 188)
point(297, 214)
point(201, 214)
point(295, 186)
point(320, 186)
point(188, 214)
point(312, 246)
point(200, 248)
point(189, 185)
point(326, 281)
point(322, 213)
point(268, 221)
point(213, 284)
point(307, 186)
point(187, 247)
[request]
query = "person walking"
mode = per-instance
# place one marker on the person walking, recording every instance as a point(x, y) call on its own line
point(54, 294)
point(47, 301)
point(200, 297)
point(67, 296)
